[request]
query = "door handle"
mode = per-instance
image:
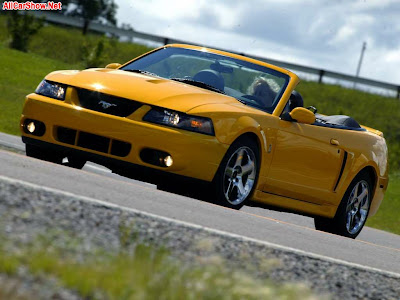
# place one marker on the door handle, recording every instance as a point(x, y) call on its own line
point(334, 142)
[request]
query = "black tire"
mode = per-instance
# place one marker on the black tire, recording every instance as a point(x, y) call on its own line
point(352, 212)
point(43, 154)
point(237, 174)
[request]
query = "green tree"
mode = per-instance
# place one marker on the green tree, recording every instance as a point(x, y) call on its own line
point(21, 28)
point(94, 10)
point(94, 55)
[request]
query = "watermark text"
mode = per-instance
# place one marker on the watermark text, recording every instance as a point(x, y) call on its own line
point(30, 5)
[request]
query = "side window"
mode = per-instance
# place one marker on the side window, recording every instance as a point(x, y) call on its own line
point(287, 107)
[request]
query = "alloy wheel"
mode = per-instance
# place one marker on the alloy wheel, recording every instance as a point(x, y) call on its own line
point(357, 207)
point(239, 175)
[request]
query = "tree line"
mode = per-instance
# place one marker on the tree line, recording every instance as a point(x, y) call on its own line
point(22, 26)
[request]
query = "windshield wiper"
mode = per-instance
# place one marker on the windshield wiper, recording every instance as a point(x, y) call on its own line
point(142, 72)
point(199, 84)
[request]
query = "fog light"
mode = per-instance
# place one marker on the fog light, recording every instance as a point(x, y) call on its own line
point(34, 127)
point(156, 157)
point(168, 161)
point(31, 127)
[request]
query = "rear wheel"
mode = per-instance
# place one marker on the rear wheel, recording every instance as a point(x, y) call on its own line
point(353, 211)
point(237, 175)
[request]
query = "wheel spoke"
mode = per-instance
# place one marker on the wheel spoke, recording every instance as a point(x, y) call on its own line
point(229, 189)
point(350, 220)
point(349, 206)
point(240, 187)
point(229, 172)
point(239, 157)
point(248, 168)
point(356, 190)
point(363, 214)
point(363, 194)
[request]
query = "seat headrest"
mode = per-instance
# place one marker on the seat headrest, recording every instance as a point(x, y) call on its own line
point(210, 77)
point(296, 100)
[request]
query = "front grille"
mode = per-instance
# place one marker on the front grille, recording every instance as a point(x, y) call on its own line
point(66, 135)
point(93, 141)
point(107, 104)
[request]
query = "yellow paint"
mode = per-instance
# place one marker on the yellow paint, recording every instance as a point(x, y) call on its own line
point(302, 115)
point(299, 164)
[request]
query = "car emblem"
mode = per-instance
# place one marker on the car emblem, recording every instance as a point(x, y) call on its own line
point(106, 105)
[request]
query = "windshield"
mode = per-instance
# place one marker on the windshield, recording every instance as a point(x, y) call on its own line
point(249, 83)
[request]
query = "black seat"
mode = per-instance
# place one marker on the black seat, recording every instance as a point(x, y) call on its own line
point(210, 77)
point(340, 120)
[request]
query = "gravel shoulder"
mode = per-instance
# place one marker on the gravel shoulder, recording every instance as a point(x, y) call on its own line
point(28, 210)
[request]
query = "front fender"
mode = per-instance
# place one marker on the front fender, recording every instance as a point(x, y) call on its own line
point(230, 122)
point(244, 124)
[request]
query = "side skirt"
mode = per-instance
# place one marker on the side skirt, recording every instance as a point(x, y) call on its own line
point(307, 208)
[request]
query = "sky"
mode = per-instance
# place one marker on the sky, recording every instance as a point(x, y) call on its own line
point(325, 34)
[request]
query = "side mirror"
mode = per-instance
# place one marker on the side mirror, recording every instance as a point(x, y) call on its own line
point(302, 115)
point(113, 66)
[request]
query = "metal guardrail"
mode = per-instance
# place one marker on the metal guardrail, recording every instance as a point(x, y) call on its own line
point(131, 34)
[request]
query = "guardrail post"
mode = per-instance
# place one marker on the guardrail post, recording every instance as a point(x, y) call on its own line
point(321, 74)
point(166, 41)
point(398, 92)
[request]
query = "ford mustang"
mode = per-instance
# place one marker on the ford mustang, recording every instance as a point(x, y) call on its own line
point(232, 121)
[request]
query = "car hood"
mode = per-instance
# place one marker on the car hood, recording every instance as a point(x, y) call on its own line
point(143, 88)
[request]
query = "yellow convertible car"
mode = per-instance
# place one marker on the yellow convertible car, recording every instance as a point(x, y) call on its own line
point(213, 116)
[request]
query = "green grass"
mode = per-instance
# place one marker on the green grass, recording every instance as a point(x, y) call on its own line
point(20, 73)
point(145, 273)
point(67, 46)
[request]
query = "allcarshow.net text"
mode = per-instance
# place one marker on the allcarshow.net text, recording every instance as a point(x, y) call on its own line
point(30, 5)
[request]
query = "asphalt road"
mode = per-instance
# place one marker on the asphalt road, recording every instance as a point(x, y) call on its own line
point(373, 248)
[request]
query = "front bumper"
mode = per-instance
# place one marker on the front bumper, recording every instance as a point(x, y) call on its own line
point(194, 155)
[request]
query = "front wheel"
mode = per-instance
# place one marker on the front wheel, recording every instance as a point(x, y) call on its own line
point(353, 211)
point(237, 175)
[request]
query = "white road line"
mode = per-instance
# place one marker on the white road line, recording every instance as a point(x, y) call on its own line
point(207, 229)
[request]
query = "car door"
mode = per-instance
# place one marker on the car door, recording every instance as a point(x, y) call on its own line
point(306, 162)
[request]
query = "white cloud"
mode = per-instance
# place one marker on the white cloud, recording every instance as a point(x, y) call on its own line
point(392, 56)
point(344, 33)
point(167, 10)
point(321, 33)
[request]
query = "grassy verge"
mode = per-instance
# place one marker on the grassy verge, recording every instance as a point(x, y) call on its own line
point(20, 73)
point(145, 273)
point(67, 45)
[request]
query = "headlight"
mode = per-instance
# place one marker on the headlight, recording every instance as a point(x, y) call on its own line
point(51, 89)
point(180, 120)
